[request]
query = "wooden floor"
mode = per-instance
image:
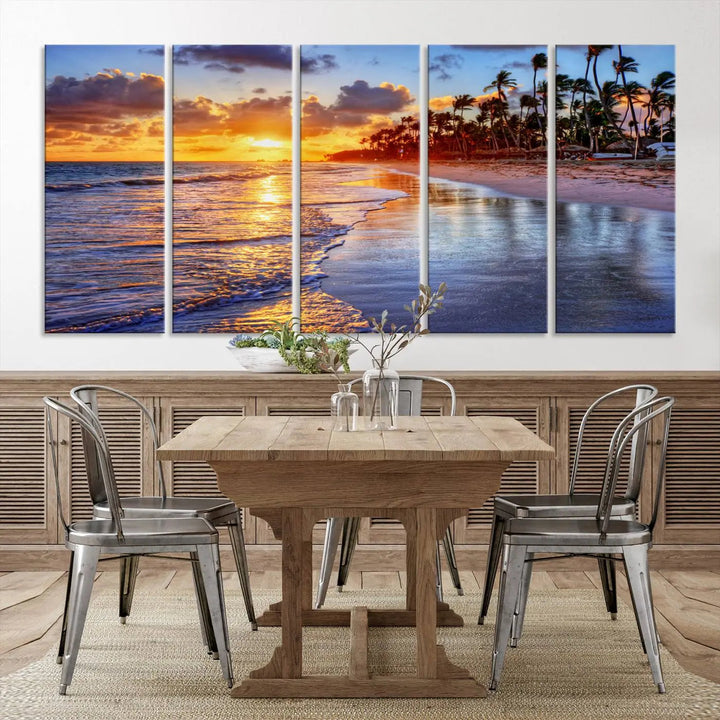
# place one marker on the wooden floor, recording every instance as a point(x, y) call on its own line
point(687, 605)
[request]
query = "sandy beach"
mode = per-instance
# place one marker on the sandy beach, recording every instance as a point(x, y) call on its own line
point(632, 183)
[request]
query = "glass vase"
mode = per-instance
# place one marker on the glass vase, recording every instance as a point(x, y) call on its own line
point(381, 387)
point(344, 408)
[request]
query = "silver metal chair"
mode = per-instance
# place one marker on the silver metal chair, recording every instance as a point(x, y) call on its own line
point(117, 536)
point(604, 535)
point(218, 511)
point(572, 505)
point(345, 530)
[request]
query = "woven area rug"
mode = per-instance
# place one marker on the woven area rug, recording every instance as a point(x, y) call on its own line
point(573, 662)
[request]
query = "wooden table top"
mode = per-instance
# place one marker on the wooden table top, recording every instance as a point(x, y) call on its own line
point(280, 438)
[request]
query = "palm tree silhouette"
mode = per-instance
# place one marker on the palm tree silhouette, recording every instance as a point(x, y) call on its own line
point(627, 65)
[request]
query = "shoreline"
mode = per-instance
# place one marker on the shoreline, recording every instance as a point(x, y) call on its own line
point(643, 184)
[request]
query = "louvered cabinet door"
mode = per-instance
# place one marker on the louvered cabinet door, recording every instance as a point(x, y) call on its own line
point(27, 488)
point(198, 479)
point(522, 477)
point(690, 504)
point(131, 450)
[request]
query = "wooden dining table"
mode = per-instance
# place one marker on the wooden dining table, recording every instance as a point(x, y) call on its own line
point(295, 471)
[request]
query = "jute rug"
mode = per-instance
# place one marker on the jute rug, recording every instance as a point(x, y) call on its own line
point(573, 662)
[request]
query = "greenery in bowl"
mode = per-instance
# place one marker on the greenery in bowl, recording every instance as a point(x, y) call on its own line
point(309, 353)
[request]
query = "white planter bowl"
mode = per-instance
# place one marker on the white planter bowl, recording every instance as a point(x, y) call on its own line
point(261, 360)
point(265, 360)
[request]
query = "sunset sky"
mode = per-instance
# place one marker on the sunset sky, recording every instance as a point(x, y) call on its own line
point(104, 103)
point(232, 102)
point(351, 91)
point(467, 69)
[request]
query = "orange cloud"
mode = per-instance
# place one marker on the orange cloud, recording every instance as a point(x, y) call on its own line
point(83, 116)
point(269, 117)
point(445, 102)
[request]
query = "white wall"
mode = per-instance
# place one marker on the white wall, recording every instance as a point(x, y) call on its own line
point(27, 25)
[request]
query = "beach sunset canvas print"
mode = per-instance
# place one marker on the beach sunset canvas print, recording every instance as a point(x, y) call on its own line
point(104, 198)
point(232, 203)
point(360, 188)
point(615, 229)
point(487, 119)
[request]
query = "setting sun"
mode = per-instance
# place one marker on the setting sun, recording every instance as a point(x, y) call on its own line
point(266, 143)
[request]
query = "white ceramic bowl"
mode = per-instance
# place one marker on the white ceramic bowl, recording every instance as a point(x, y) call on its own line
point(265, 360)
point(261, 360)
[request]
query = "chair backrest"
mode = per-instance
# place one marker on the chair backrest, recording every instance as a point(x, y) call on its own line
point(642, 394)
point(101, 455)
point(86, 397)
point(410, 393)
point(635, 423)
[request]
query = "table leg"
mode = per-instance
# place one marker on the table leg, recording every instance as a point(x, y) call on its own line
point(425, 597)
point(286, 661)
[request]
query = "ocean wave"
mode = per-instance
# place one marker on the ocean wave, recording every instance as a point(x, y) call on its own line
point(222, 177)
point(124, 182)
point(260, 239)
point(215, 300)
point(140, 321)
point(211, 177)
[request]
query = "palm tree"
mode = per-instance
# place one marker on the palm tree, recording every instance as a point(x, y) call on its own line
point(539, 62)
point(627, 65)
point(594, 52)
point(579, 85)
point(657, 94)
point(461, 103)
point(586, 84)
point(502, 80)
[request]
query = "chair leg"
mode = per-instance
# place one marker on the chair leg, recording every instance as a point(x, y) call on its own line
point(333, 530)
point(638, 576)
point(510, 580)
point(351, 526)
point(63, 630)
point(491, 567)
point(206, 629)
point(209, 561)
point(81, 583)
point(449, 548)
point(519, 617)
point(237, 541)
point(438, 574)
point(607, 576)
point(128, 575)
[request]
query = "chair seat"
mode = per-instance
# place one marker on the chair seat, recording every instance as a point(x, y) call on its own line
point(534, 531)
point(554, 506)
point(212, 509)
point(147, 531)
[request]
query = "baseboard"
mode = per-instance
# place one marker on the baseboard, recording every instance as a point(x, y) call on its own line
point(18, 558)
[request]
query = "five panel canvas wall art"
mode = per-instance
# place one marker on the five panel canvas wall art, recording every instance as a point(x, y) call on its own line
point(487, 126)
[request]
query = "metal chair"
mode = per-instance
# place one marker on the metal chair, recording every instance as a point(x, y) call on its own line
point(218, 511)
point(345, 530)
point(604, 536)
point(117, 536)
point(572, 505)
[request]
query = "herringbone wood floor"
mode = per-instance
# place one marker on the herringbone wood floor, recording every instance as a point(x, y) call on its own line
point(687, 605)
